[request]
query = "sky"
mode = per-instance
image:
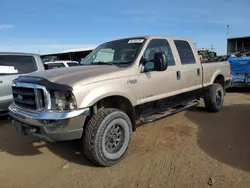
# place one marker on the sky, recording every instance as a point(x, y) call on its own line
point(52, 26)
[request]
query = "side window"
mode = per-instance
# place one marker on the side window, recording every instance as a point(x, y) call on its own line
point(158, 45)
point(185, 52)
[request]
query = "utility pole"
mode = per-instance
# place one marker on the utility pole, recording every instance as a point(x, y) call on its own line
point(227, 37)
point(227, 30)
point(212, 47)
point(195, 44)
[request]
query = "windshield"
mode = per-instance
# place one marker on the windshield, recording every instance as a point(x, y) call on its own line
point(122, 51)
point(16, 64)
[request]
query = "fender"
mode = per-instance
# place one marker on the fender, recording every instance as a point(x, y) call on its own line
point(97, 94)
point(213, 77)
point(217, 73)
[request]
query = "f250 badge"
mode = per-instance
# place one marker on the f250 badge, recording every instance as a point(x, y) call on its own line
point(134, 81)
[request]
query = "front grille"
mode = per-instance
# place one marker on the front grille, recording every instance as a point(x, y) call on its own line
point(28, 98)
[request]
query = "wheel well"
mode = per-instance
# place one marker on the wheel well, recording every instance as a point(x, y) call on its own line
point(120, 103)
point(220, 80)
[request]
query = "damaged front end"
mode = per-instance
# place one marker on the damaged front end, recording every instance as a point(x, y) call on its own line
point(46, 110)
point(240, 71)
point(240, 80)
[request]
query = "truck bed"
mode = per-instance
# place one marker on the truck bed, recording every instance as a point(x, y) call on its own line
point(211, 69)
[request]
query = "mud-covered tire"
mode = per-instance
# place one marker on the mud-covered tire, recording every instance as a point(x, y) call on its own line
point(214, 98)
point(102, 129)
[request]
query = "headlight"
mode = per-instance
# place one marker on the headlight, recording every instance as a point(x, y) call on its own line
point(64, 101)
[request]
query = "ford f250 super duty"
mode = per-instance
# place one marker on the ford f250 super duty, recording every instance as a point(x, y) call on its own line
point(119, 84)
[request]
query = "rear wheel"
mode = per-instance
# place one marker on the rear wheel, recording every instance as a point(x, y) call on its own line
point(214, 98)
point(106, 137)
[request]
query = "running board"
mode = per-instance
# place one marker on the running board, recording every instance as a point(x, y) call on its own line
point(148, 120)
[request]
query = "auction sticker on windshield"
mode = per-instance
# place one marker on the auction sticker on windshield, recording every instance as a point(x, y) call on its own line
point(136, 41)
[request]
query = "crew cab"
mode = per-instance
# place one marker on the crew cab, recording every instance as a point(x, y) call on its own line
point(119, 84)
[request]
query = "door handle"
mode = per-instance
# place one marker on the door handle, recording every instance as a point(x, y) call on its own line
point(178, 75)
point(198, 71)
point(1, 81)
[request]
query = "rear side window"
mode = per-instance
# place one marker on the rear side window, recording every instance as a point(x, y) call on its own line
point(72, 64)
point(17, 64)
point(185, 52)
point(54, 65)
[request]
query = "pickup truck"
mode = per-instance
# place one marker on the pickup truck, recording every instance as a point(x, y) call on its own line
point(118, 85)
point(13, 65)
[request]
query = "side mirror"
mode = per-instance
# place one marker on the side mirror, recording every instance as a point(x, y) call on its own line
point(160, 61)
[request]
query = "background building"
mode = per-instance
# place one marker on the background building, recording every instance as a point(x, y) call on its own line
point(239, 46)
point(72, 54)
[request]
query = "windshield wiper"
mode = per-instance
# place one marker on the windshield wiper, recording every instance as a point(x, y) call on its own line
point(98, 63)
point(127, 62)
point(108, 63)
point(112, 63)
point(102, 63)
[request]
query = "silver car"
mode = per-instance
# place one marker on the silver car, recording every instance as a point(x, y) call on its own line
point(13, 65)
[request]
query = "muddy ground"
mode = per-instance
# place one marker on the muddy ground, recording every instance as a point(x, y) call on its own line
point(191, 149)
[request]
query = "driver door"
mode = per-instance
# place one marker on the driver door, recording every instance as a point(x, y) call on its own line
point(155, 86)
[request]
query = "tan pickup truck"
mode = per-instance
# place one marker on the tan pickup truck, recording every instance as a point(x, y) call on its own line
point(119, 84)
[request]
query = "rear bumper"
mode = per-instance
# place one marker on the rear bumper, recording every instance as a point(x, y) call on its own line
point(5, 102)
point(49, 125)
point(4, 113)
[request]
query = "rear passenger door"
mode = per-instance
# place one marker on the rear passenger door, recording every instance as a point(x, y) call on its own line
point(190, 73)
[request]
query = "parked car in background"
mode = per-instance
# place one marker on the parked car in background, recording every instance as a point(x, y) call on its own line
point(13, 65)
point(60, 64)
point(119, 84)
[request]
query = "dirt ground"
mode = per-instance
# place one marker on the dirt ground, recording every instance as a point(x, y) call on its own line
point(191, 149)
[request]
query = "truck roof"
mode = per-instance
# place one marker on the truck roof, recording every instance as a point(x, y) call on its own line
point(153, 36)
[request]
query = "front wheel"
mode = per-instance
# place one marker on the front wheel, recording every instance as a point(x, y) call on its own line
point(106, 137)
point(214, 98)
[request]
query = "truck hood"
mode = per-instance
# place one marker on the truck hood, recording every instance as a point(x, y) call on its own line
point(82, 75)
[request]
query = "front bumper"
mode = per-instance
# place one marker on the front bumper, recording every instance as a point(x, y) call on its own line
point(49, 125)
point(240, 80)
